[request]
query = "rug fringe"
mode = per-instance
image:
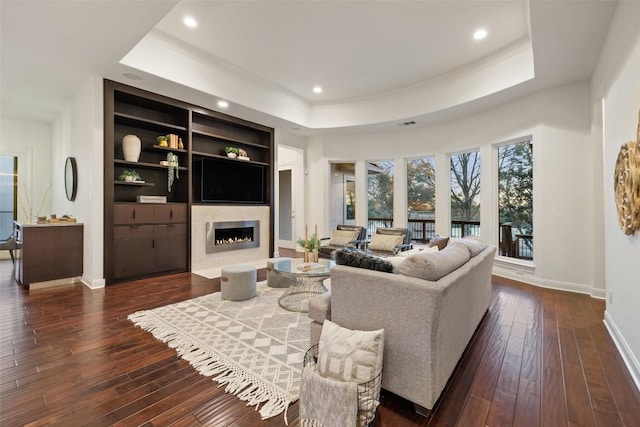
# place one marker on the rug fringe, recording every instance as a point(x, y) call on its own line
point(245, 386)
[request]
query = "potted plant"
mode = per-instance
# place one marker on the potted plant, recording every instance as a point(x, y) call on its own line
point(310, 246)
point(162, 141)
point(232, 152)
point(129, 175)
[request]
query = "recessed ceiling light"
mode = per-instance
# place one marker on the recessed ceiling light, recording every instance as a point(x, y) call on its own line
point(223, 104)
point(317, 89)
point(480, 34)
point(190, 22)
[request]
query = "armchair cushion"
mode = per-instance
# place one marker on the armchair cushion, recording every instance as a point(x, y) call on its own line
point(358, 258)
point(435, 265)
point(474, 244)
point(342, 237)
point(384, 242)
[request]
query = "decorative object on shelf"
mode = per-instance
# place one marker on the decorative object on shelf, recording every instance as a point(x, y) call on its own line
point(242, 155)
point(232, 152)
point(162, 141)
point(131, 146)
point(180, 144)
point(70, 178)
point(310, 245)
point(130, 175)
point(626, 184)
point(173, 140)
point(27, 207)
point(172, 160)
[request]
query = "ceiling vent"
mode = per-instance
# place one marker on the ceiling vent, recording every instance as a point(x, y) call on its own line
point(409, 123)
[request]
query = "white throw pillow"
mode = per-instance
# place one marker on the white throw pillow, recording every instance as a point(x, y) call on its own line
point(474, 244)
point(384, 242)
point(342, 237)
point(351, 355)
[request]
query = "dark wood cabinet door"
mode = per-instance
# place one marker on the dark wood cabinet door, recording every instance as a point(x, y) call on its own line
point(170, 213)
point(132, 257)
point(170, 253)
point(132, 213)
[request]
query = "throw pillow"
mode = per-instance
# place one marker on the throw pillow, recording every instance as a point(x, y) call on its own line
point(358, 258)
point(435, 265)
point(342, 237)
point(352, 355)
point(474, 244)
point(439, 241)
point(384, 242)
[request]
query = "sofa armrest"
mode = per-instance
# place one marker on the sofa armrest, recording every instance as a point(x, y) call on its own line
point(406, 307)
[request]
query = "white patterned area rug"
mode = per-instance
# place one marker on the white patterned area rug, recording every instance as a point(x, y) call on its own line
point(254, 347)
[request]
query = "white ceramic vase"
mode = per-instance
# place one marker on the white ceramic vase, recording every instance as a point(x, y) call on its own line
point(131, 148)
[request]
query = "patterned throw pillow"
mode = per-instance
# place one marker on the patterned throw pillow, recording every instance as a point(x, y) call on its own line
point(385, 242)
point(342, 237)
point(349, 355)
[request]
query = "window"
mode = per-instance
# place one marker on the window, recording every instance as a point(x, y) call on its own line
point(421, 198)
point(515, 199)
point(465, 194)
point(380, 198)
point(8, 194)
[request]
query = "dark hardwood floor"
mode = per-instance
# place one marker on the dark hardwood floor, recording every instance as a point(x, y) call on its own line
point(70, 357)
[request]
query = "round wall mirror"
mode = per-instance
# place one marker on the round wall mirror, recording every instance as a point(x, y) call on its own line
point(70, 178)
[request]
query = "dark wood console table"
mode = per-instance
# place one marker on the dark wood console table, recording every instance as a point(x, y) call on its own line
point(48, 252)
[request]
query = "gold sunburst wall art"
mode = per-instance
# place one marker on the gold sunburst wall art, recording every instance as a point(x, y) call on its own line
point(626, 185)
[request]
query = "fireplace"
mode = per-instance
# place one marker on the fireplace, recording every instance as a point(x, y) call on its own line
point(232, 235)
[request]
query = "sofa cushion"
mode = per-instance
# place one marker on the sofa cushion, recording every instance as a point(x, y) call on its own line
point(474, 244)
point(349, 355)
point(439, 241)
point(342, 237)
point(384, 242)
point(358, 258)
point(435, 265)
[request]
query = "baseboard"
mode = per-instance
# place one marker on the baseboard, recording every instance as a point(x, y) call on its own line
point(550, 284)
point(92, 283)
point(623, 348)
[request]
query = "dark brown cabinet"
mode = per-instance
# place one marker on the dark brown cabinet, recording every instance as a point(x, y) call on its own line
point(48, 252)
point(149, 239)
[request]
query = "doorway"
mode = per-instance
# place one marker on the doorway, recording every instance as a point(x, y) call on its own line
point(286, 218)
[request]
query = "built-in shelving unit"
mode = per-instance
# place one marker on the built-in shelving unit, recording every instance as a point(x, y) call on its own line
point(204, 134)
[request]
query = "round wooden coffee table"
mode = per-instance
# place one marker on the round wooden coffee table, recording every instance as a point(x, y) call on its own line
point(306, 277)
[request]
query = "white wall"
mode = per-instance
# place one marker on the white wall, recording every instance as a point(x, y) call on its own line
point(78, 132)
point(617, 83)
point(564, 205)
point(31, 142)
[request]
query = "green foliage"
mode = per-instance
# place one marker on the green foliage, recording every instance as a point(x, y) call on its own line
point(421, 187)
point(310, 244)
point(515, 186)
point(380, 200)
point(231, 150)
point(130, 172)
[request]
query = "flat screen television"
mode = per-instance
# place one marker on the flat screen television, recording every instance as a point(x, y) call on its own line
point(225, 181)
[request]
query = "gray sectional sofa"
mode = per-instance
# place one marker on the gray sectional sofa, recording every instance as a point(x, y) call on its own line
point(428, 319)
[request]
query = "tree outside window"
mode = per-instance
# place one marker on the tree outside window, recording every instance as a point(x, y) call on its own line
point(8, 194)
point(380, 197)
point(421, 201)
point(465, 194)
point(515, 199)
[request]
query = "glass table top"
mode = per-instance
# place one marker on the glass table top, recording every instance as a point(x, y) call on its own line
point(297, 267)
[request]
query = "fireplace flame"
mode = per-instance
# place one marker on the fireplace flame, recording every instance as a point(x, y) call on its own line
point(233, 240)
